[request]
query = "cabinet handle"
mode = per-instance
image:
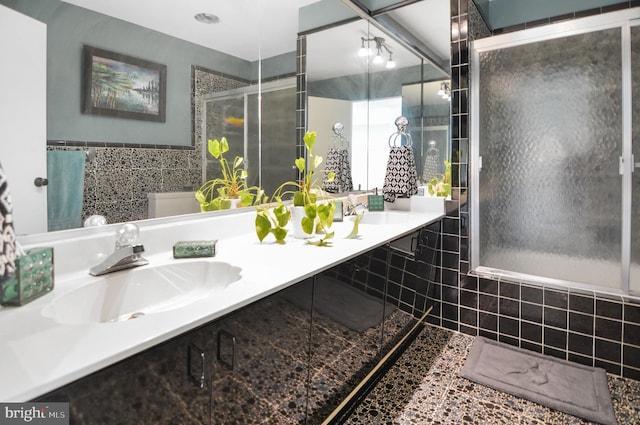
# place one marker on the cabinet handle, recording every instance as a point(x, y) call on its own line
point(419, 243)
point(195, 358)
point(232, 364)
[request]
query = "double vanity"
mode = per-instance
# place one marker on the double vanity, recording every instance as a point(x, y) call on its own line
point(88, 323)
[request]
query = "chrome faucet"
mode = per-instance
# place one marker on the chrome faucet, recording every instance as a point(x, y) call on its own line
point(353, 207)
point(127, 253)
point(356, 209)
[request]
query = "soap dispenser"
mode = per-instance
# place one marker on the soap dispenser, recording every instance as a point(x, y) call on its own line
point(376, 202)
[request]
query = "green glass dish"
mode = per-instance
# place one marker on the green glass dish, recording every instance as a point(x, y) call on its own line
point(33, 278)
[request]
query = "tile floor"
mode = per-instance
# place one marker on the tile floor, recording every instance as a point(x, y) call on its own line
point(423, 387)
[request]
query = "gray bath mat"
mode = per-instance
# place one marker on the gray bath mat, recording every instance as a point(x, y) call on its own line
point(569, 387)
point(341, 302)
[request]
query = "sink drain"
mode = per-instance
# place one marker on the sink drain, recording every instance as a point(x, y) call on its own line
point(135, 315)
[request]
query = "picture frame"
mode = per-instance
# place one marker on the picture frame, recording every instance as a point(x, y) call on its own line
point(122, 86)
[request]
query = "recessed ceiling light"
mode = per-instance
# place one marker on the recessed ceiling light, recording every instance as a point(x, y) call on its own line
point(207, 18)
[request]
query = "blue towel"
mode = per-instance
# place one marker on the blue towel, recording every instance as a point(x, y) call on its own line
point(65, 172)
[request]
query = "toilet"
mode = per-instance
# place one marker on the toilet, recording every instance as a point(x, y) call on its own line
point(172, 203)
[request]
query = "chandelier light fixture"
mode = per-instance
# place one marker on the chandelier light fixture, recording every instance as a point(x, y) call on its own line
point(379, 48)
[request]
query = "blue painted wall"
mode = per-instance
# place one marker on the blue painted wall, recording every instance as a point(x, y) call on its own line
point(505, 13)
point(70, 27)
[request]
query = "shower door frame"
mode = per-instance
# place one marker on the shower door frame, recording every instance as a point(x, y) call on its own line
point(242, 92)
point(624, 20)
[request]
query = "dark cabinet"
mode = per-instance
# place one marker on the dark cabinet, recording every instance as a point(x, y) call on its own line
point(289, 358)
point(249, 367)
point(152, 387)
point(259, 373)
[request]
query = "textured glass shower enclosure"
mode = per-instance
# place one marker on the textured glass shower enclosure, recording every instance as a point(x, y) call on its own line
point(635, 135)
point(261, 128)
point(551, 188)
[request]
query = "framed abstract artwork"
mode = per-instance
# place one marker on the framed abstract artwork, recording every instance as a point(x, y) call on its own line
point(122, 86)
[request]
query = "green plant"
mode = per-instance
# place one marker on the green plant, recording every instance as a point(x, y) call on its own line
point(272, 218)
point(441, 186)
point(217, 193)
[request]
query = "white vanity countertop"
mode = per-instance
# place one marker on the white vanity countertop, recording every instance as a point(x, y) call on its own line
point(38, 354)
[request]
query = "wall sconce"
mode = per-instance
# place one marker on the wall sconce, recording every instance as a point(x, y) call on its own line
point(380, 48)
point(445, 91)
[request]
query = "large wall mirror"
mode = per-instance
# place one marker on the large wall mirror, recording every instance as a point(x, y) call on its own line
point(130, 158)
point(368, 78)
point(251, 78)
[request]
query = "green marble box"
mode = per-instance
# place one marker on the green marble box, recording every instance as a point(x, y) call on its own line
point(376, 202)
point(194, 249)
point(33, 278)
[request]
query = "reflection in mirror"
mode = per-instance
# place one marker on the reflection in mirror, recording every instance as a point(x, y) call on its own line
point(132, 157)
point(365, 96)
point(235, 114)
point(135, 157)
point(427, 108)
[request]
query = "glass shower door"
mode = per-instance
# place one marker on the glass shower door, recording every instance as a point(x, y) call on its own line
point(550, 138)
point(634, 269)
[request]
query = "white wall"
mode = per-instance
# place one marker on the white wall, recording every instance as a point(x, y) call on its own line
point(323, 113)
point(23, 115)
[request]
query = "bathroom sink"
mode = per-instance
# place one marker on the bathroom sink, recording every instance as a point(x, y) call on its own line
point(135, 293)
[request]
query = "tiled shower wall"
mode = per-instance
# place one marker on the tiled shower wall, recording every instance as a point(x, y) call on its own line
point(410, 278)
point(588, 327)
point(118, 178)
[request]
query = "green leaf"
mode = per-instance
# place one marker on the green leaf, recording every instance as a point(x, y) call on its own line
point(224, 145)
point(331, 176)
point(200, 197)
point(356, 222)
point(310, 139)
point(246, 199)
point(282, 215)
point(300, 164)
point(302, 199)
point(307, 224)
point(237, 162)
point(280, 234)
point(446, 189)
point(222, 192)
point(263, 226)
point(214, 148)
point(325, 212)
point(320, 242)
point(317, 160)
point(311, 211)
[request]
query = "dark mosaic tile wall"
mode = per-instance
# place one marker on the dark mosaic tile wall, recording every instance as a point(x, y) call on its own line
point(588, 327)
point(410, 278)
point(118, 177)
point(301, 94)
